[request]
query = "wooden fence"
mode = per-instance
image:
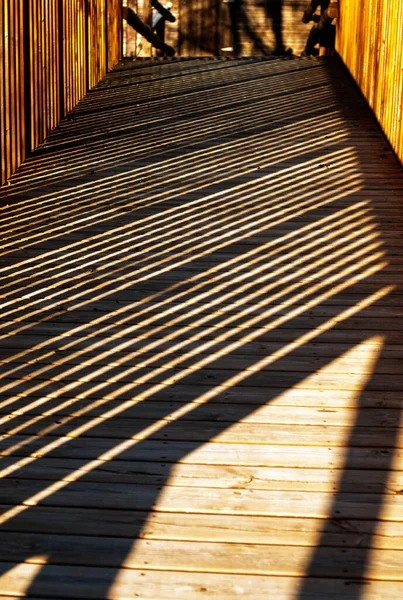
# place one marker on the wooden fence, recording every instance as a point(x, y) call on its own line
point(51, 53)
point(370, 34)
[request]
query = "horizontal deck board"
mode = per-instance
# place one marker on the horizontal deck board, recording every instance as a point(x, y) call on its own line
point(53, 397)
point(202, 431)
point(230, 454)
point(218, 501)
point(127, 524)
point(196, 475)
point(203, 557)
point(189, 358)
point(60, 411)
point(90, 583)
point(196, 376)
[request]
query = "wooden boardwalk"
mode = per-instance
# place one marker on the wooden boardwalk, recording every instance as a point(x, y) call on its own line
point(201, 342)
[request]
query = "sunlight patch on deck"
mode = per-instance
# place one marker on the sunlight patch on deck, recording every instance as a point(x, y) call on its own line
point(18, 579)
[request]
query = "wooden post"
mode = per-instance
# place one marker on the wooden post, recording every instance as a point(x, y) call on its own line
point(60, 32)
point(86, 43)
point(106, 19)
point(26, 30)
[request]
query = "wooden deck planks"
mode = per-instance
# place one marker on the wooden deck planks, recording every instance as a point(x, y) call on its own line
point(201, 338)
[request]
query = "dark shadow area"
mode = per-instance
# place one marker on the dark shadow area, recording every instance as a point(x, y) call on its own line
point(201, 341)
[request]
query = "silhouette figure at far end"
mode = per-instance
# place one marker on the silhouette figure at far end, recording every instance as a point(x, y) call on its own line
point(239, 19)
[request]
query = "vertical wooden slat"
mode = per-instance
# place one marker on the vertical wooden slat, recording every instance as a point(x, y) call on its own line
point(114, 35)
point(106, 35)
point(3, 164)
point(13, 83)
point(7, 91)
point(60, 33)
point(26, 92)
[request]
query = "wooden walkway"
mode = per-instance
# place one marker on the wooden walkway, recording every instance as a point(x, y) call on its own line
point(201, 343)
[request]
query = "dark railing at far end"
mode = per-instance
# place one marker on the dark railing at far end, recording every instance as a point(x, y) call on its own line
point(51, 53)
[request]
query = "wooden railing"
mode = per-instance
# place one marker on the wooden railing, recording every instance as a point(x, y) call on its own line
point(370, 34)
point(51, 53)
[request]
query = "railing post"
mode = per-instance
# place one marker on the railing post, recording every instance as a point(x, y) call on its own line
point(60, 42)
point(86, 44)
point(26, 21)
point(106, 25)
